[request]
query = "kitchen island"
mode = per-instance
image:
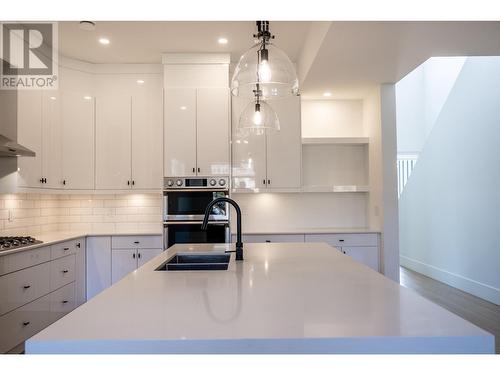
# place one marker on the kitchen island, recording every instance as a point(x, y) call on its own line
point(283, 298)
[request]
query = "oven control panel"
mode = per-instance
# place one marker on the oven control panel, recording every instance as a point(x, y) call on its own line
point(196, 182)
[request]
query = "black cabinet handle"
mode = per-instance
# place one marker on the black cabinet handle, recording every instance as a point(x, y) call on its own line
point(268, 241)
point(264, 182)
point(133, 255)
point(199, 170)
point(136, 242)
point(269, 182)
point(65, 271)
point(133, 182)
point(341, 240)
point(128, 182)
point(78, 245)
point(26, 286)
point(139, 255)
point(63, 302)
point(64, 182)
point(66, 249)
point(194, 170)
point(26, 323)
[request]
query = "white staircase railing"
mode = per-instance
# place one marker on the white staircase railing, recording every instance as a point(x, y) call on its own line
point(406, 163)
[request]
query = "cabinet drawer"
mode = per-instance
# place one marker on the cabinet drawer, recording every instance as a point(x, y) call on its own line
point(19, 288)
point(62, 272)
point(347, 239)
point(62, 249)
point(24, 259)
point(367, 255)
point(19, 325)
point(262, 238)
point(136, 242)
point(62, 301)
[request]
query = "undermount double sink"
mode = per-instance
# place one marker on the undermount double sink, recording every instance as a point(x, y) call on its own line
point(196, 262)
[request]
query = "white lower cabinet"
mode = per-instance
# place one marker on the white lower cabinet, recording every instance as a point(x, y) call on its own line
point(362, 247)
point(125, 261)
point(37, 287)
point(109, 259)
point(98, 265)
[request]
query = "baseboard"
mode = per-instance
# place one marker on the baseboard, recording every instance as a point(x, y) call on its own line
point(476, 288)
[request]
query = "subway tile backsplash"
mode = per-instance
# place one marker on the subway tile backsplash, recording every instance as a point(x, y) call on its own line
point(31, 214)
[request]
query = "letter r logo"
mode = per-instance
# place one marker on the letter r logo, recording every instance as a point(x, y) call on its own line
point(27, 48)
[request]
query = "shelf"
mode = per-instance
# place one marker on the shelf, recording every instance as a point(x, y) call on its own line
point(336, 140)
point(336, 189)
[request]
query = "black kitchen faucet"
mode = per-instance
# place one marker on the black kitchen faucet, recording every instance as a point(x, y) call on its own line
point(208, 210)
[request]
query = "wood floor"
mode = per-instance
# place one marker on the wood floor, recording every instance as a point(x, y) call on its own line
point(483, 314)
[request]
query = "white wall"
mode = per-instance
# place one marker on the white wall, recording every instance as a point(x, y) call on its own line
point(449, 211)
point(332, 118)
point(275, 212)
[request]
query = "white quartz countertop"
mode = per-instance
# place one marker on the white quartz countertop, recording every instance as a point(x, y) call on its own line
point(50, 238)
point(320, 230)
point(283, 298)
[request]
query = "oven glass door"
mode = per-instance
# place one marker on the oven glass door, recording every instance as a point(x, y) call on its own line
point(192, 233)
point(190, 205)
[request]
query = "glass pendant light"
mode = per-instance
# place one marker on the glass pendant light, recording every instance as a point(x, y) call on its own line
point(258, 118)
point(267, 66)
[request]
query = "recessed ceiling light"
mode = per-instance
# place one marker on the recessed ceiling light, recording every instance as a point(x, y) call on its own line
point(104, 41)
point(222, 40)
point(87, 97)
point(327, 94)
point(52, 98)
point(87, 25)
point(183, 108)
point(140, 81)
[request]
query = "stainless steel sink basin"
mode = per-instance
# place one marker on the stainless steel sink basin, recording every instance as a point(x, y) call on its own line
point(196, 262)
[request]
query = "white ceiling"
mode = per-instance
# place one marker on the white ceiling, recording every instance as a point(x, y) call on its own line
point(351, 58)
point(144, 42)
point(355, 56)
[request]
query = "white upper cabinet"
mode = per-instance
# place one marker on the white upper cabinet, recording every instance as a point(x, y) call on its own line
point(147, 138)
point(270, 161)
point(51, 139)
point(284, 148)
point(212, 135)
point(196, 132)
point(249, 153)
point(77, 120)
point(180, 132)
point(29, 134)
point(113, 141)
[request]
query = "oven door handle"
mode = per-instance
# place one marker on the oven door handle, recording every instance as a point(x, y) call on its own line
point(195, 222)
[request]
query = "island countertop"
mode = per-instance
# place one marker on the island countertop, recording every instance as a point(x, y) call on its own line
point(283, 298)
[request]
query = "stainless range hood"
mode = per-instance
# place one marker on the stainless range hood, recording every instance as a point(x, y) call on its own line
point(12, 149)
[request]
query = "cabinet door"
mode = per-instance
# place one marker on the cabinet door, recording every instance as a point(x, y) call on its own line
point(284, 148)
point(29, 134)
point(98, 265)
point(180, 132)
point(145, 255)
point(249, 153)
point(113, 141)
point(367, 255)
point(77, 120)
point(212, 131)
point(80, 276)
point(51, 139)
point(147, 136)
point(123, 261)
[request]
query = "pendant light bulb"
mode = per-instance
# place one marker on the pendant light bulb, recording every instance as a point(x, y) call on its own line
point(257, 116)
point(264, 71)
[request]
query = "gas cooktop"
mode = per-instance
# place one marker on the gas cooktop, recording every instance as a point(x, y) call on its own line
point(8, 243)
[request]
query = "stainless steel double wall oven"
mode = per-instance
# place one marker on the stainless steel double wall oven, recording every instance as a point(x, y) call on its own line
point(184, 203)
